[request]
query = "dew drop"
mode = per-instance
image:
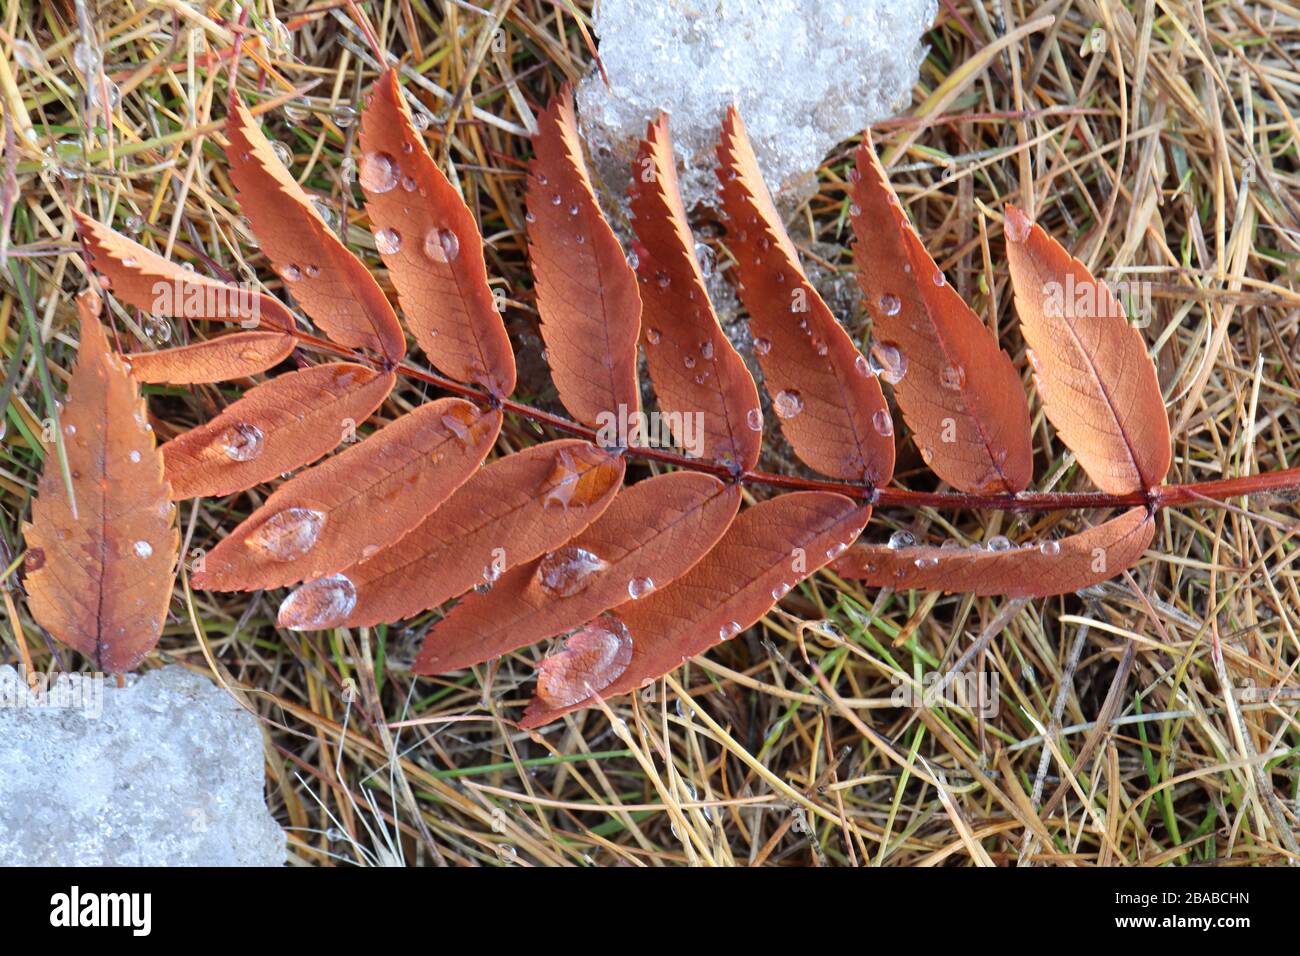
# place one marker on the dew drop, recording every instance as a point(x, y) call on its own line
point(652, 336)
point(142, 549)
point(1017, 225)
point(289, 534)
point(953, 377)
point(242, 441)
point(788, 403)
point(70, 429)
point(441, 245)
point(689, 361)
point(590, 660)
point(34, 559)
point(884, 425)
point(291, 273)
point(729, 630)
point(706, 350)
point(926, 562)
point(901, 539)
point(838, 548)
point(318, 604)
point(938, 278)
point(568, 570)
point(638, 588)
point(890, 304)
point(999, 542)
point(762, 346)
point(780, 591)
point(862, 365)
point(754, 419)
point(388, 241)
point(888, 362)
point(662, 279)
point(1050, 548)
point(378, 172)
point(134, 457)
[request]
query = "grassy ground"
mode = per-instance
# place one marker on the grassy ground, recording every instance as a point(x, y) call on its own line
point(1157, 140)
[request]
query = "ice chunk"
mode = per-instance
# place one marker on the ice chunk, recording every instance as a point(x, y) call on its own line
point(167, 771)
point(805, 75)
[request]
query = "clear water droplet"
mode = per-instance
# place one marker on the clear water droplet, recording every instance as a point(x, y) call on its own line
point(652, 336)
point(325, 602)
point(590, 660)
point(242, 441)
point(378, 173)
point(788, 403)
point(388, 241)
point(953, 377)
point(754, 419)
point(929, 561)
point(638, 588)
point(142, 549)
point(729, 630)
point(134, 457)
point(762, 346)
point(568, 571)
point(289, 534)
point(890, 304)
point(901, 539)
point(291, 273)
point(441, 245)
point(1050, 548)
point(883, 423)
point(999, 542)
point(888, 362)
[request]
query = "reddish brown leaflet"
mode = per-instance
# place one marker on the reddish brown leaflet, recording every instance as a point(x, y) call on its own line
point(959, 393)
point(238, 355)
point(1091, 367)
point(586, 291)
point(1032, 569)
point(693, 365)
point(830, 405)
point(431, 245)
point(100, 574)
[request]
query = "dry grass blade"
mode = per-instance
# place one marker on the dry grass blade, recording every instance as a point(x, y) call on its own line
point(100, 572)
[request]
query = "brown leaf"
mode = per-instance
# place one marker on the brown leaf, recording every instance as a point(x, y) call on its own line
point(586, 292)
point(331, 284)
point(363, 499)
point(1036, 569)
point(959, 392)
point(1091, 368)
point(99, 575)
point(282, 424)
point(692, 363)
point(237, 355)
point(652, 533)
point(147, 281)
point(766, 551)
point(830, 405)
point(507, 513)
point(431, 245)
